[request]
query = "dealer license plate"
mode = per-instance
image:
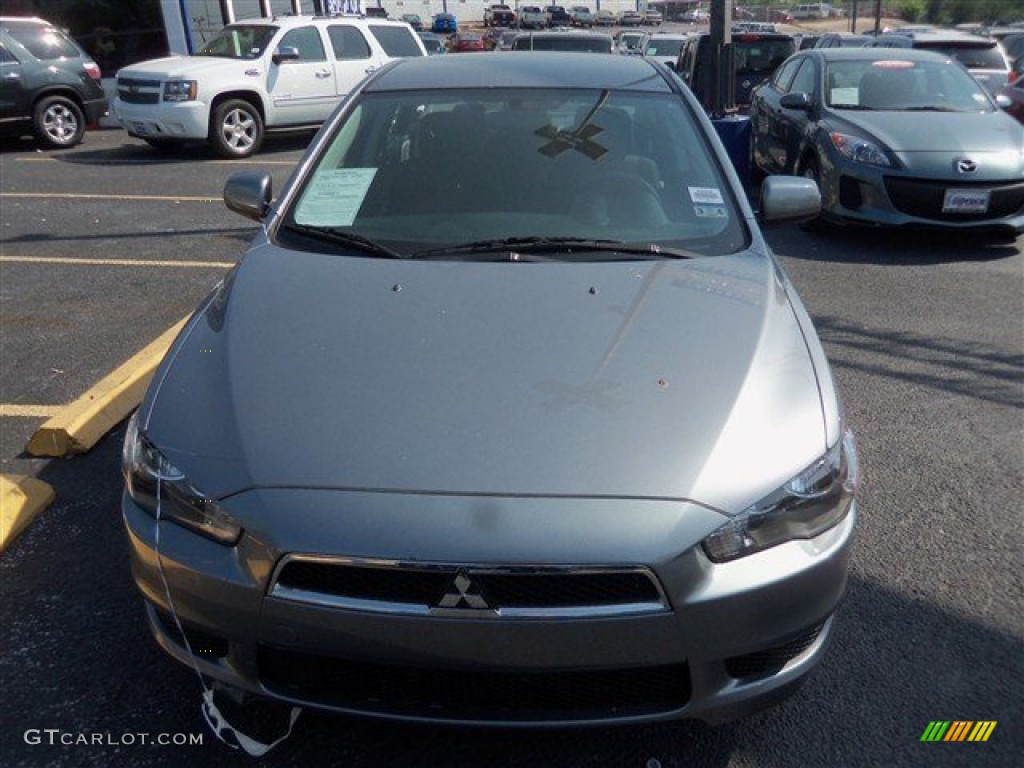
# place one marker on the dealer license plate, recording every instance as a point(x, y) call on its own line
point(965, 201)
point(139, 128)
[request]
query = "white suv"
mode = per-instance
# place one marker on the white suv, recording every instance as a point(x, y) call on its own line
point(255, 76)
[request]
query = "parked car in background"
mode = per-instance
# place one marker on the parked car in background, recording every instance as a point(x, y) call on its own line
point(780, 16)
point(444, 23)
point(571, 42)
point(653, 17)
point(49, 87)
point(631, 19)
point(466, 42)
point(413, 20)
point(664, 47)
point(557, 16)
point(755, 57)
point(581, 16)
point(1014, 94)
point(433, 43)
point(896, 137)
point(532, 17)
point(507, 39)
point(493, 35)
point(605, 18)
point(499, 15)
point(982, 56)
point(256, 76)
point(630, 42)
point(542, 511)
point(695, 16)
point(842, 40)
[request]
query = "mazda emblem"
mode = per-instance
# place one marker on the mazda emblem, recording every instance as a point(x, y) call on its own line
point(966, 166)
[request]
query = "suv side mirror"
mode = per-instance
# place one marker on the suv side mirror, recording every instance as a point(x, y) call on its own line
point(285, 53)
point(796, 101)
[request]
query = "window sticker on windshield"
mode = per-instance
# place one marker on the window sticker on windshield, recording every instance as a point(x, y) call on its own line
point(334, 196)
point(710, 211)
point(709, 195)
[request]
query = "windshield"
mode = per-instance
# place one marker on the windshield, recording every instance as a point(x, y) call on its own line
point(422, 171)
point(903, 85)
point(762, 55)
point(656, 47)
point(239, 41)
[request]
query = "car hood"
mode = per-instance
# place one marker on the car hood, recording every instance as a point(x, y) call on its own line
point(946, 132)
point(179, 66)
point(667, 379)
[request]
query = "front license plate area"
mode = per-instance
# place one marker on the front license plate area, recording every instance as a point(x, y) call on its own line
point(965, 201)
point(139, 128)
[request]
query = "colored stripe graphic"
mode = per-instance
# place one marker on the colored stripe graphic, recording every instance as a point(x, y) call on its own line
point(982, 730)
point(958, 731)
point(935, 731)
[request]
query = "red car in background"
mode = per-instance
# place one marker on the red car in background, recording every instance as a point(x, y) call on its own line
point(466, 42)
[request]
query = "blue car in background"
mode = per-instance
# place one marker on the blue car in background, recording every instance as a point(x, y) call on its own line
point(444, 22)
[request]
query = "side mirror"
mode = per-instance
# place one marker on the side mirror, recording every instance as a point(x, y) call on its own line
point(285, 53)
point(796, 101)
point(1003, 101)
point(249, 193)
point(789, 198)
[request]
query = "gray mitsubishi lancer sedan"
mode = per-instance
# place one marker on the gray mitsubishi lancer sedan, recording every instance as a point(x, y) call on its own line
point(541, 436)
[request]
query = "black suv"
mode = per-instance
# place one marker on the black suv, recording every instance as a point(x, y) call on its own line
point(755, 56)
point(49, 87)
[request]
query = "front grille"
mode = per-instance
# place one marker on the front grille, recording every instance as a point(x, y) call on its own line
point(419, 588)
point(923, 198)
point(471, 693)
point(771, 660)
point(133, 91)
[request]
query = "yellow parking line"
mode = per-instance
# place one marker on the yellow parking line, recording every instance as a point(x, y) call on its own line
point(77, 196)
point(22, 498)
point(29, 411)
point(79, 425)
point(115, 262)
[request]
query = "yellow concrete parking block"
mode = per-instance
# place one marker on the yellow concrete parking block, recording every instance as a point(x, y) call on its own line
point(80, 425)
point(22, 498)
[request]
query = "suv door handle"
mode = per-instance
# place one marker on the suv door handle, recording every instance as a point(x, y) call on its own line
point(322, 73)
point(371, 68)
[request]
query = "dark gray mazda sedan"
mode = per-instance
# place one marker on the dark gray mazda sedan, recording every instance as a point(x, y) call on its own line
point(509, 416)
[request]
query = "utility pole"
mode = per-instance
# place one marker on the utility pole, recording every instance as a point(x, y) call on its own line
point(721, 89)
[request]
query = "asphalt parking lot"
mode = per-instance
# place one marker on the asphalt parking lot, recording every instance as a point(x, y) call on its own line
point(106, 246)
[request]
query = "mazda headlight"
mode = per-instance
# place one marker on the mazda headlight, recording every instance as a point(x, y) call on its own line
point(163, 491)
point(860, 150)
point(180, 90)
point(809, 504)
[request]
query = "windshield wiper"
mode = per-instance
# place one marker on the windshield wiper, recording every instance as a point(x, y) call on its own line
point(354, 241)
point(931, 108)
point(528, 245)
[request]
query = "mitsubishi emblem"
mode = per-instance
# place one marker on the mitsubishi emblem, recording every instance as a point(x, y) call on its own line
point(462, 593)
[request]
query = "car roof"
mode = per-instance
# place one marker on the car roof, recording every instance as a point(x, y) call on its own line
point(941, 36)
point(534, 69)
point(874, 54)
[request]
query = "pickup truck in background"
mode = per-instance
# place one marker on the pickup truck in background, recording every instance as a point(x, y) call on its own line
point(499, 16)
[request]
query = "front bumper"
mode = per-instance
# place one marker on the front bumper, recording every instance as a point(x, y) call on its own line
point(857, 194)
point(186, 120)
point(732, 638)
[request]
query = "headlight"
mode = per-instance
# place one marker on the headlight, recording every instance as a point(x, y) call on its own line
point(180, 90)
point(163, 491)
point(860, 150)
point(809, 504)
